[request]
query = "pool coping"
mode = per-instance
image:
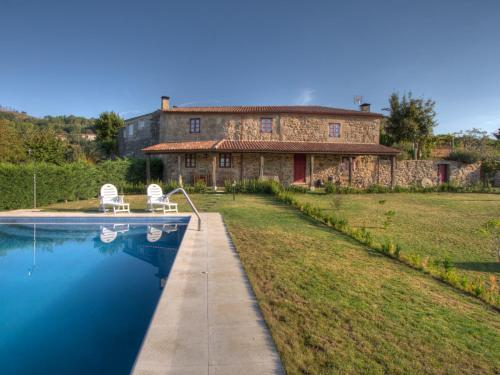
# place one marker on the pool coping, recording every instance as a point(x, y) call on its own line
point(207, 320)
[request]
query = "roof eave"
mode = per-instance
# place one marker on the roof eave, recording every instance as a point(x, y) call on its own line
point(256, 112)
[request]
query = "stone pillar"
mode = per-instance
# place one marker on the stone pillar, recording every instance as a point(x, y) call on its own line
point(179, 171)
point(393, 172)
point(214, 172)
point(311, 172)
point(350, 170)
point(241, 166)
point(261, 170)
point(148, 168)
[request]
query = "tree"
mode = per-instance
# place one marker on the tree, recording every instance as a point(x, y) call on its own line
point(106, 127)
point(411, 120)
point(46, 146)
point(11, 143)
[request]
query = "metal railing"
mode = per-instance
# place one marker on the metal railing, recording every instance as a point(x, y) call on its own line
point(189, 201)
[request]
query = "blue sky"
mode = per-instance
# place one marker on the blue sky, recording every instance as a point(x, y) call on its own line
point(85, 57)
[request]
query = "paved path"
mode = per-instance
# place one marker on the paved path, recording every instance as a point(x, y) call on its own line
point(207, 320)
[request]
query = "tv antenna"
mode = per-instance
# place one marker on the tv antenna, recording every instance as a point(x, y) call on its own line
point(358, 99)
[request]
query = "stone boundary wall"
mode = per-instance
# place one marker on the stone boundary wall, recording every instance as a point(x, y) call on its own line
point(369, 170)
point(425, 172)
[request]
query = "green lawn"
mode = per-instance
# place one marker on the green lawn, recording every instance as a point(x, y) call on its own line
point(334, 306)
point(437, 225)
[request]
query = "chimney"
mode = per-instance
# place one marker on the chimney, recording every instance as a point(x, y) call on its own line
point(165, 103)
point(365, 107)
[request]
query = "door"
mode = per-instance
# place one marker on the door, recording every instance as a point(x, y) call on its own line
point(299, 168)
point(443, 173)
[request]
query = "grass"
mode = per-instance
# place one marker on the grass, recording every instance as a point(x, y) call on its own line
point(334, 306)
point(439, 226)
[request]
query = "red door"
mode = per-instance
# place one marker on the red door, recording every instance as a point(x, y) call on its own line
point(443, 173)
point(299, 168)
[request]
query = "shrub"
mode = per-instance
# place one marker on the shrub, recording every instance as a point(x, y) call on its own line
point(54, 183)
point(465, 156)
point(70, 181)
point(252, 186)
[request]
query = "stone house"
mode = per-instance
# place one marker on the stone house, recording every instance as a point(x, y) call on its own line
point(302, 145)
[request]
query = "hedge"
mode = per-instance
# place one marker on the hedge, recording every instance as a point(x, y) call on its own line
point(66, 182)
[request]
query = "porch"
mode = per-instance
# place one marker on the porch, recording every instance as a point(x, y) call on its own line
point(215, 162)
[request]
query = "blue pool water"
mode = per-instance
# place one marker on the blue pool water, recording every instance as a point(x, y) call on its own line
point(78, 298)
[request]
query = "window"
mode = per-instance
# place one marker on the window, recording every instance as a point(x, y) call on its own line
point(194, 125)
point(266, 125)
point(225, 161)
point(130, 129)
point(142, 123)
point(334, 131)
point(190, 160)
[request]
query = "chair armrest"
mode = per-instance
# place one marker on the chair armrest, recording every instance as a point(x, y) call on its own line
point(120, 199)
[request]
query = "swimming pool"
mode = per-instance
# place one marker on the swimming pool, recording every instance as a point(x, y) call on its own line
point(77, 296)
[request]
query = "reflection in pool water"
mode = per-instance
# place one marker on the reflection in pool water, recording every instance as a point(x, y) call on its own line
point(78, 298)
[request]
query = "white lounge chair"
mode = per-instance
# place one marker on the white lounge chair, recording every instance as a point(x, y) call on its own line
point(156, 198)
point(109, 197)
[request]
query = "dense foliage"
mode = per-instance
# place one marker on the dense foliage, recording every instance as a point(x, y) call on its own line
point(52, 139)
point(411, 120)
point(465, 156)
point(106, 127)
point(70, 181)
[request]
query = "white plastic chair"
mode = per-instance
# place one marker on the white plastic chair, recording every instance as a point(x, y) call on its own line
point(109, 197)
point(156, 198)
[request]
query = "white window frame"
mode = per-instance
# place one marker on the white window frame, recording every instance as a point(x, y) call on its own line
point(142, 124)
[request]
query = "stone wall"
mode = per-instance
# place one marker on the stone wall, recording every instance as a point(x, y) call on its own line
point(425, 172)
point(175, 128)
point(145, 132)
point(367, 170)
point(278, 167)
point(371, 170)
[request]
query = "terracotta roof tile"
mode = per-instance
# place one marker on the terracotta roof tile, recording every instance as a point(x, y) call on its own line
point(181, 146)
point(274, 146)
point(291, 109)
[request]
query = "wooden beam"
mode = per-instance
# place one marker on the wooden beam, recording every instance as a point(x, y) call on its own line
point(311, 172)
point(179, 171)
point(350, 170)
point(214, 172)
point(148, 168)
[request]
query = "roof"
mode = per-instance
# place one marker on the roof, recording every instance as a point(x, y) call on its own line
point(225, 145)
point(140, 116)
point(273, 109)
point(181, 146)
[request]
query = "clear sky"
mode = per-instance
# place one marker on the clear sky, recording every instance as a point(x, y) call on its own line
point(87, 56)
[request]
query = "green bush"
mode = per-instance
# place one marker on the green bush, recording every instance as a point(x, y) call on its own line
point(54, 183)
point(66, 182)
point(465, 156)
point(252, 186)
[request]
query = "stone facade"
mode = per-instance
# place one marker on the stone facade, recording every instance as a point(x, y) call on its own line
point(174, 127)
point(138, 133)
point(367, 170)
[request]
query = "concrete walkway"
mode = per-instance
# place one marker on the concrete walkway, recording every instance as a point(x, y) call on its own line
point(207, 320)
